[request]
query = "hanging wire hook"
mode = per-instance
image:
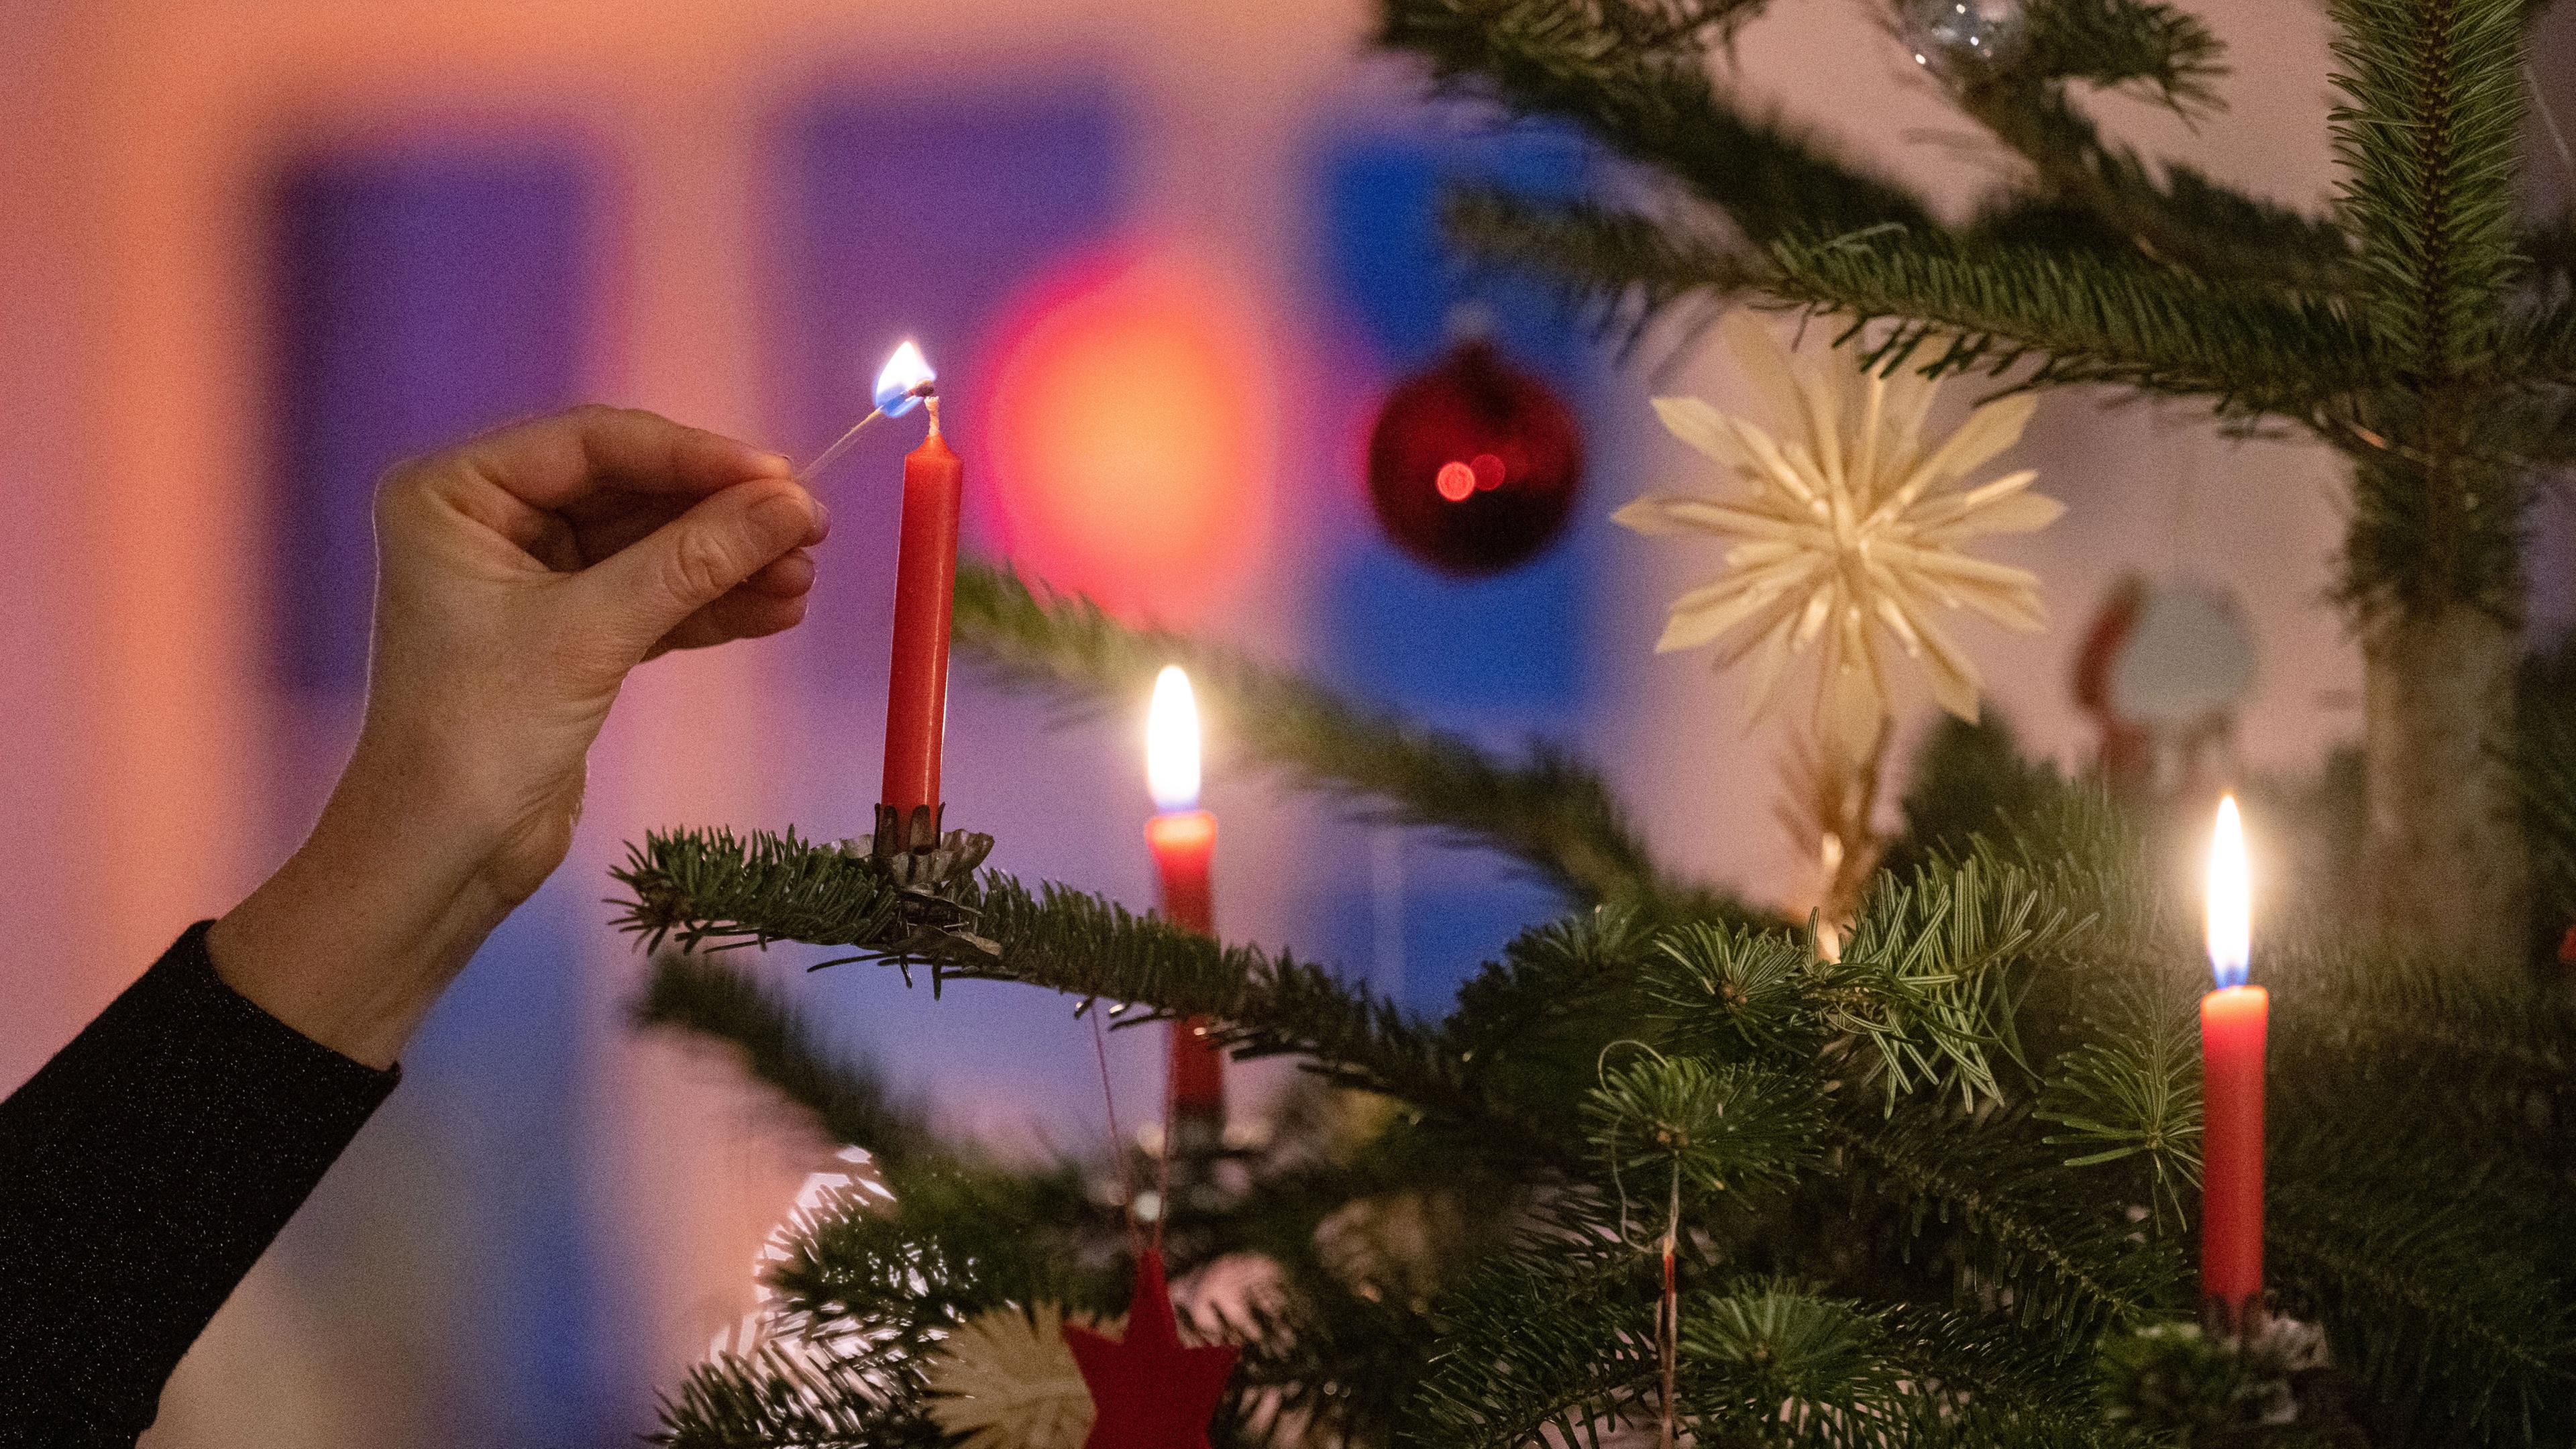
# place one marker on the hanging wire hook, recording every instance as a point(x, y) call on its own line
point(1600, 1074)
point(1117, 1144)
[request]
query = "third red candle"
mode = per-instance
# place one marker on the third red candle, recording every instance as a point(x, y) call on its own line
point(2232, 1022)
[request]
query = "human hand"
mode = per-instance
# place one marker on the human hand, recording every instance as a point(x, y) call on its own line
point(520, 576)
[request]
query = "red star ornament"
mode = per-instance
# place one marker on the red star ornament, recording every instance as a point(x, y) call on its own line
point(1149, 1392)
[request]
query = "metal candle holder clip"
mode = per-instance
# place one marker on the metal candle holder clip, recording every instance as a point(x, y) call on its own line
point(918, 854)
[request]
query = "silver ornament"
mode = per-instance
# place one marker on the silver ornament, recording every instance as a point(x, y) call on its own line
point(1955, 36)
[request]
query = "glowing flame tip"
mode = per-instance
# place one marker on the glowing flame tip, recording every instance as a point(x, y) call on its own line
point(1172, 742)
point(904, 381)
point(2231, 915)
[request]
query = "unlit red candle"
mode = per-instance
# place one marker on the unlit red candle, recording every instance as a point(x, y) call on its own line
point(2232, 1022)
point(1183, 840)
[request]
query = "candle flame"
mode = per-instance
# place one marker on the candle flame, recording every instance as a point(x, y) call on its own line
point(1172, 742)
point(905, 380)
point(2231, 913)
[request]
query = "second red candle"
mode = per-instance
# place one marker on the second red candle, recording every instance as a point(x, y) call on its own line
point(1183, 839)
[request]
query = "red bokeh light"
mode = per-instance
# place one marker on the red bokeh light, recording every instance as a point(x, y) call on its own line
point(1455, 481)
point(1129, 426)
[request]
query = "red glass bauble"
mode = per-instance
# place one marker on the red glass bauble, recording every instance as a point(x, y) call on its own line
point(1474, 464)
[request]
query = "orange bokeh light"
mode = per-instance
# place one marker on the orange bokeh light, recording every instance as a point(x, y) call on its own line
point(1129, 427)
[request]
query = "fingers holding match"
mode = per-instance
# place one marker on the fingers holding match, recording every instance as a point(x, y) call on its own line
point(791, 576)
point(741, 614)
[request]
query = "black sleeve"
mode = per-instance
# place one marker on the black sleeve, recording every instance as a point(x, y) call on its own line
point(141, 1173)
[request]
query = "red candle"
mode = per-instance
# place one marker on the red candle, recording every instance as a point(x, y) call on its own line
point(1183, 839)
point(1183, 842)
point(2232, 1021)
point(924, 595)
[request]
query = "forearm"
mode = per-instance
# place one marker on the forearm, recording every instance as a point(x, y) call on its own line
point(142, 1172)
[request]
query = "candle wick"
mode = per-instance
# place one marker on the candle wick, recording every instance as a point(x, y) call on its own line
point(930, 404)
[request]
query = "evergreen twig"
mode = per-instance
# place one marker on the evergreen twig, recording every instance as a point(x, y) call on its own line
point(2171, 213)
point(1624, 270)
point(2428, 134)
point(713, 886)
point(1593, 62)
point(849, 1101)
point(2077, 318)
point(1548, 810)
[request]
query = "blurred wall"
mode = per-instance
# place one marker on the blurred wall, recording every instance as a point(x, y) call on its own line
point(553, 1217)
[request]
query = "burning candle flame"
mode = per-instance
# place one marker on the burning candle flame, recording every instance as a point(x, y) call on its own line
point(905, 380)
point(2231, 913)
point(1172, 742)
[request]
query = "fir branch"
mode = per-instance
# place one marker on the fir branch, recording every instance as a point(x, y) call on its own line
point(1533, 1025)
point(780, 1395)
point(781, 1050)
point(1967, 781)
point(2179, 216)
point(1549, 811)
point(861, 1290)
point(2173, 213)
point(1326, 1367)
point(765, 888)
point(1928, 979)
point(1734, 994)
point(712, 886)
point(2442, 1283)
point(1719, 1127)
point(1652, 103)
point(897, 1276)
point(2083, 319)
point(1667, 24)
point(2539, 346)
point(1620, 269)
point(2370, 1011)
point(2167, 54)
point(1922, 1000)
point(1553, 1337)
point(2005, 1197)
point(2427, 133)
point(2134, 1093)
point(1981, 1381)
point(1264, 1004)
point(1779, 1365)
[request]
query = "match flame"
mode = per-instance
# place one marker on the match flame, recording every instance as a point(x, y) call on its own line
point(1172, 742)
point(905, 380)
point(2231, 911)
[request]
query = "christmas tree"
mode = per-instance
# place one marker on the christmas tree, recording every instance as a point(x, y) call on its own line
point(2423, 329)
point(1927, 1172)
point(1938, 1190)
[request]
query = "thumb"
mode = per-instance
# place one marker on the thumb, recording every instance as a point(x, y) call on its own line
point(646, 590)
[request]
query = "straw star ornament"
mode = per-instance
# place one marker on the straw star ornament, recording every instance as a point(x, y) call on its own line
point(1846, 533)
point(1005, 1380)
